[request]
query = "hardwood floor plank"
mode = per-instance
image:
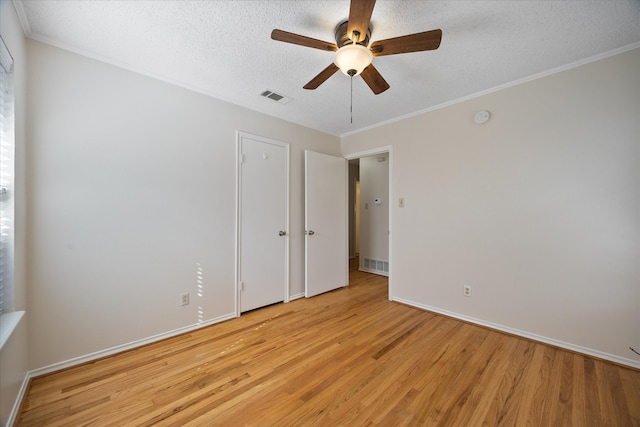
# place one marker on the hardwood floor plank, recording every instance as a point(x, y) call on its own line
point(451, 368)
point(605, 397)
point(579, 407)
point(618, 398)
point(512, 387)
point(349, 357)
point(530, 386)
point(593, 382)
point(631, 387)
point(372, 376)
point(564, 413)
point(544, 397)
point(484, 400)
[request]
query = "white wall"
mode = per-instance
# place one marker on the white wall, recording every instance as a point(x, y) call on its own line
point(374, 219)
point(538, 210)
point(354, 171)
point(132, 186)
point(15, 354)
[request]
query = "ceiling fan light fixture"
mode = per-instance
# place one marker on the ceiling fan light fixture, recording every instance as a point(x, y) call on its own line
point(353, 57)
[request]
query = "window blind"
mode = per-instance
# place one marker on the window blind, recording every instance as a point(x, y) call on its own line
point(6, 179)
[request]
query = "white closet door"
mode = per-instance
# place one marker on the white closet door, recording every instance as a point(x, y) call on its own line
point(263, 222)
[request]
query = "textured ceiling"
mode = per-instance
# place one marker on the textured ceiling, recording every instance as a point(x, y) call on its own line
point(223, 48)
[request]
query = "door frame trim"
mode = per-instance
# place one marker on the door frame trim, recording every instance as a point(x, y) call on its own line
point(387, 149)
point(240, 135)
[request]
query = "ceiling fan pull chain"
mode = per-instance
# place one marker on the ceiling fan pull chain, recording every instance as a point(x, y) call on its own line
point(352, 99)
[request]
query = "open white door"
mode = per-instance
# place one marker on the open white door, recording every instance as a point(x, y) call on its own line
point(326, 240)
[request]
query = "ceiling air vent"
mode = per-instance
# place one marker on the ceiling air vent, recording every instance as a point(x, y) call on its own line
point(280, 99)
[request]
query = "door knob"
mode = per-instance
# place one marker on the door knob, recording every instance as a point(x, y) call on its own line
point(282, 233)
point(310, 232)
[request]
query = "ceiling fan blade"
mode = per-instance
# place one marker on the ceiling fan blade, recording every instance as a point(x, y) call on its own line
point(418, 42)
point(374, 80)
point(287, 37)
point(322, 77)
point(359, 17)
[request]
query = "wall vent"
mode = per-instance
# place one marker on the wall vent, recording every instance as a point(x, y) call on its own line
point(376, 266)
point(280, 99)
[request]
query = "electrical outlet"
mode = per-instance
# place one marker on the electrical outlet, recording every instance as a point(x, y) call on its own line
point(467, 291)
point(184, 299)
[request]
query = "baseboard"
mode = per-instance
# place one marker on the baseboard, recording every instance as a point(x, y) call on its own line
point(17, 405)
point(556, 343)
point(124, 347)
point(296, 296)
point(379, 273)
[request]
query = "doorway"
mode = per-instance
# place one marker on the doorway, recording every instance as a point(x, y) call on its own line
point(370, 218)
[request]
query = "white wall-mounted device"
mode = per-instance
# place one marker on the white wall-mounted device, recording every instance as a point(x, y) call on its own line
point(482, 117)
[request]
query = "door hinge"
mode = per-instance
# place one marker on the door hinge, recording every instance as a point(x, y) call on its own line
point(241, 158)
point(241, 286)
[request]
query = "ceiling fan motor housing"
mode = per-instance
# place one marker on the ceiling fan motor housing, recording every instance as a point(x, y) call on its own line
point(342, 38)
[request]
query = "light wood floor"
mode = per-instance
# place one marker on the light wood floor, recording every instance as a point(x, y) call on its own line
point(346, 358)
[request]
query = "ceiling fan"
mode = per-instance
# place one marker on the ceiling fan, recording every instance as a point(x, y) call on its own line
point(353, 51)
